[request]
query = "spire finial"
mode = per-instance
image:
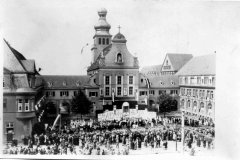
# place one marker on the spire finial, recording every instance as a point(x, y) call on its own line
point(119, 28)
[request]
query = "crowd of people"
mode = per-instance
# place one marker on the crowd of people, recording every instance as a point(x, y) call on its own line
point(111, 137)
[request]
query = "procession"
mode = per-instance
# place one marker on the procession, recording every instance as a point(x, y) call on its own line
point(112, 138)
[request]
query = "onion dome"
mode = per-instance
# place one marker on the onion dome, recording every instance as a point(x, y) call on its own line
point(102, 23)
point(119, 38)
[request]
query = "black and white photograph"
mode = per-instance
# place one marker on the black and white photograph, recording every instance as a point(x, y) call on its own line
point(108, 79)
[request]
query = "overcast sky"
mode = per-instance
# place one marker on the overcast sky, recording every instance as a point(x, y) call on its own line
point(53, 32)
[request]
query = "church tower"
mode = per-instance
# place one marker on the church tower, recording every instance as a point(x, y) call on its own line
point(102, 37)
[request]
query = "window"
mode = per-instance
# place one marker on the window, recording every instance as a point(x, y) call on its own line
point(101, 91)
point(186, 80)
point(152, 92)
point(182, 91)
point(99, 40)
point(52, 94)
point(205, 80)
point(107, 41)
point(50, 84)
point(162, 92)
point(75, 93)
point(103, 41)
point(26, 105)
point(192, 80)
point(119, 79)
point(141, 80)
point(188, 104)
point(130, 79)
point(203, 93)
point(47, 94)
point(119, 91)
point(130, 91)
point(93, 94)
point(9, 127)
point(198, 80)
point(107, 82)
point(119, 58)
point(64, 93)
point(107, 90)
point(3, 82)
point(64, 83)
point(4, 103)
point(20, 105)
point(211, 95)
point(161, 83)
point(182, 102)
point(173, 92)
point(166, 62)
point(142, 93)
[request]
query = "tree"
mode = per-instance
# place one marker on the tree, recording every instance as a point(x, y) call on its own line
point(81, 104)
point(167, 103)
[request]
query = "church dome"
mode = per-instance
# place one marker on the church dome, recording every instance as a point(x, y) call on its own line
point(102, 23)
point(120, 38)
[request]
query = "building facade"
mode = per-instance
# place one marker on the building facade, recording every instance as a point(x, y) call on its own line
point(114, 68)
point(197, 88)
point(21, 90)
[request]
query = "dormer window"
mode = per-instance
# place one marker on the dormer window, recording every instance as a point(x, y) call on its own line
point(78, 84)
point(64, 83)
point(161, 83)
point(119, 58)
point(172, 83)
point(50, 84)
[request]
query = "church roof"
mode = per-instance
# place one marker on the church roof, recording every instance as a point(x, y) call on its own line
point(179, 60)
point(201, 65)
point(119, 38)
point(65, 81)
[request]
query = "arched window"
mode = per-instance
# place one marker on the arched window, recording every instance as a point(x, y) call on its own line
point(103, 41)
point(195, 106)
point(201, 106)
point(209, 106)
point(119, 58)
point(182, 103)
point(188, 104)
point(107, 41)
point(99, 40)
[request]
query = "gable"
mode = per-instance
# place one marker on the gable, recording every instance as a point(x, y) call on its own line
point(167, 65)
point(127, 59)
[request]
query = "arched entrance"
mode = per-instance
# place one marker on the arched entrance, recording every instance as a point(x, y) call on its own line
point(64, 107)
point(125, 107)
point(51, 108)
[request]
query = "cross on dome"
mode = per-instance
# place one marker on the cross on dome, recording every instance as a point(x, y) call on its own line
point(119, 27)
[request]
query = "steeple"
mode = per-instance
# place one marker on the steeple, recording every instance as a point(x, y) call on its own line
point(102, 37)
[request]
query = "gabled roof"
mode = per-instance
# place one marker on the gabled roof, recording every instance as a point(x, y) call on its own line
point(151, 70)
point(166, 81)
point(71, 81)
point(178, 60)
point(201, 65)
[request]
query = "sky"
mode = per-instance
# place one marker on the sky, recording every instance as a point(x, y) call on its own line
point(54, 32)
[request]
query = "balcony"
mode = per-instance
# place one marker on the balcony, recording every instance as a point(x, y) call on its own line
point(25, 115)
